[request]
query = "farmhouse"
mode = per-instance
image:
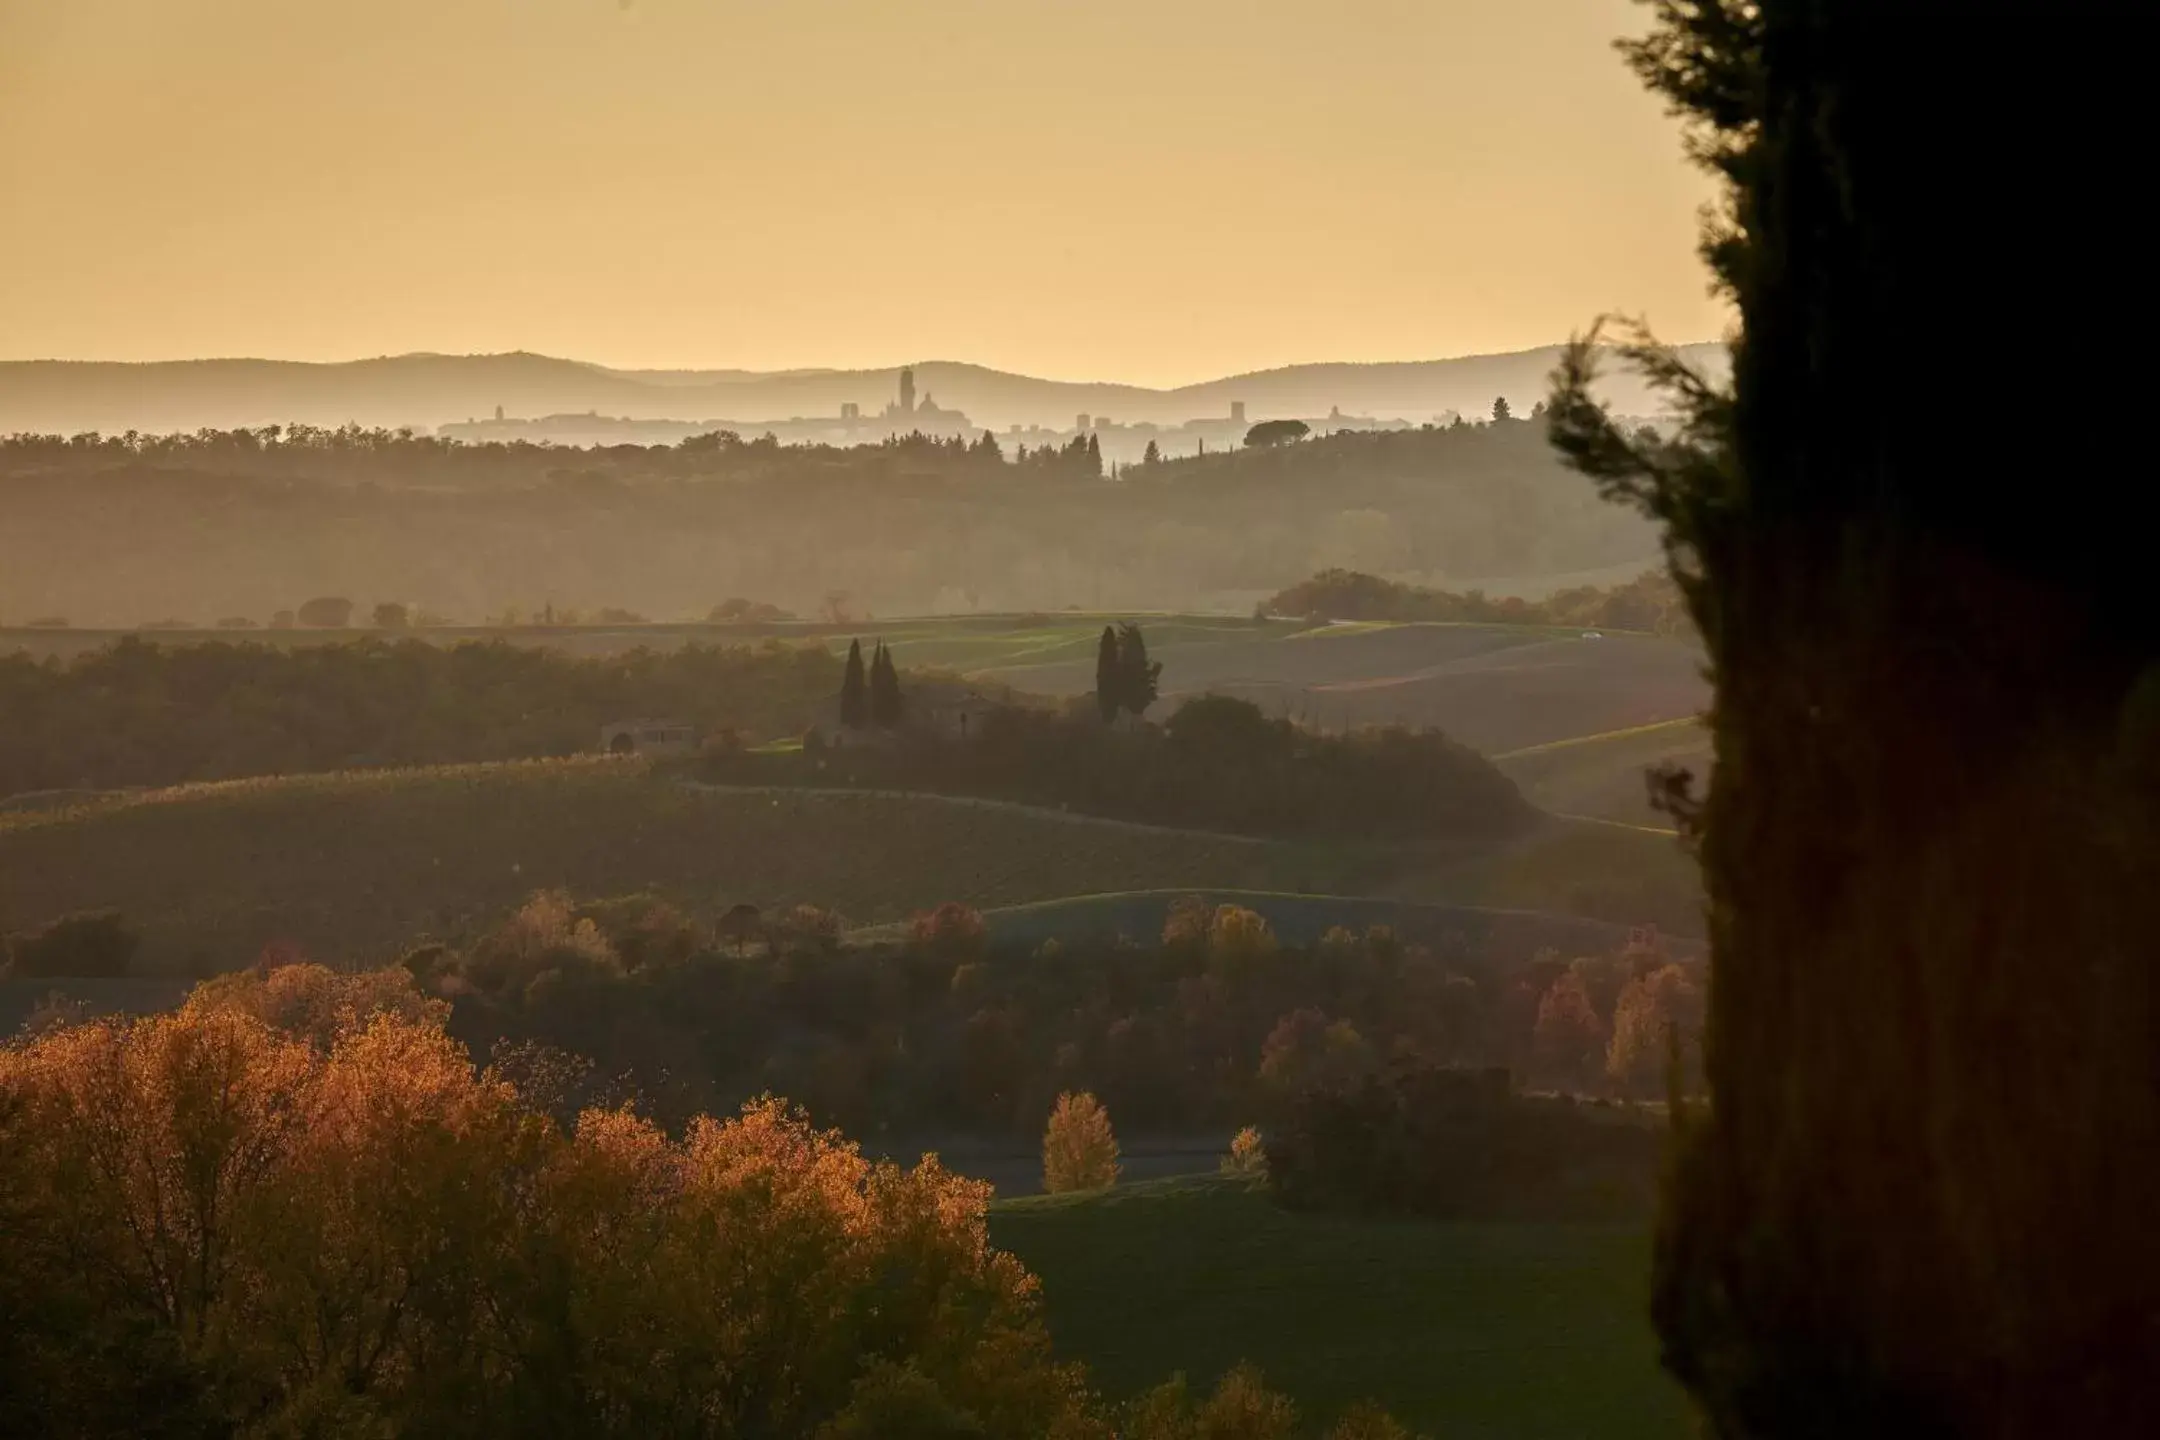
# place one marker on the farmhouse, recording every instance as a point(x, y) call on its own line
point(657, 738)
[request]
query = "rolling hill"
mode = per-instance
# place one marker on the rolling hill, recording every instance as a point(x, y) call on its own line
point(352, 867)
point(428, 390)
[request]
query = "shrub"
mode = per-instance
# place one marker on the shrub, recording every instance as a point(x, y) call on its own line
point(1247, 1159)
point(1079, 1150)
point(1458, 1144)
point(953, 932)
point(93, 944)
point(1242, 1408)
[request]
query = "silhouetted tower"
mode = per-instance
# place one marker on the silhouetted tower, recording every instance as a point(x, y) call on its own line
point(907, 392)
point(1237, 412)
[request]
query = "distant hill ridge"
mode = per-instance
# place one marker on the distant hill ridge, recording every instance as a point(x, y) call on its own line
point(428, 390)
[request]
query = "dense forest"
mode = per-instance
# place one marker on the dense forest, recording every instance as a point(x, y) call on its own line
point(119, 531)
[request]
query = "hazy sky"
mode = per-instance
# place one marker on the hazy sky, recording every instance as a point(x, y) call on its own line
point(1146, 190)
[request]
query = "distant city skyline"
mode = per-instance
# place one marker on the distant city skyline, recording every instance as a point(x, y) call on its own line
point(1133, 191)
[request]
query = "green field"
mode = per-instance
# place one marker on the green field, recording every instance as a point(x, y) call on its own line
point(1602, 776)
point(1510, 1332)
point(350, 867)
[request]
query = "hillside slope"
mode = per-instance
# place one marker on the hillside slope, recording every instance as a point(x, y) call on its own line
point(352, 867)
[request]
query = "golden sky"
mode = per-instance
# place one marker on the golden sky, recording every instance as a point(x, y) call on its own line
point(1144, 190)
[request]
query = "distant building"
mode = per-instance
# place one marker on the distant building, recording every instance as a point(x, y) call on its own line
point(1237, 412)
point(656, 738)
point(907, 391)
point(850, 411)
point(1084, 423)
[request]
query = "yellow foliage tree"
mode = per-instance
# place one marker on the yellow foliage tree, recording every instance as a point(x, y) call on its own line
point(1651, 1011)
point(1235, 934)
point(1079, 1150)
point(1247, 1159)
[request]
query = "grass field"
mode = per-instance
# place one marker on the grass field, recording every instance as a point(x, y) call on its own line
point(1508, 1332)
point(1602, 776)
point(351, 867)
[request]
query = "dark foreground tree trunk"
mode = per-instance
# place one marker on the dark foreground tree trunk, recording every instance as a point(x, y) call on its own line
point(1925, 1197)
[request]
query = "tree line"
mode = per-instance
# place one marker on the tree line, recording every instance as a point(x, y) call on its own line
point(140, 713)
point(914, 526)
point(1651, 602)
point(1217, 763)
point(1208, 1023)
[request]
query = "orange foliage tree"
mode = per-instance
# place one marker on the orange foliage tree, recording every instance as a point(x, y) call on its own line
point(216, 1224)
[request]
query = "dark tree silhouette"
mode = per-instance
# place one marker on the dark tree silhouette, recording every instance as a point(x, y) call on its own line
point(1152, 455)
point(1919, 1202)
point(1137, 676)
point(854, 693)
point(1109, 679)
point(1276, 432)
point(885, 702)
point(1501, 411)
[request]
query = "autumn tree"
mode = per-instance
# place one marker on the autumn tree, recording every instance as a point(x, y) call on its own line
point(208, 1217)
point(1919, 1200)
point(1654, 1013)
point(1569, 1041)
point(1079, 1150)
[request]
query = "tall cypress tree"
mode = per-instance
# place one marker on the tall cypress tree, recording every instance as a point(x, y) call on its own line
point(1137, 675)
point(1109, 678)
point(1919, 1202)
point(854, 696)
point(885, 703)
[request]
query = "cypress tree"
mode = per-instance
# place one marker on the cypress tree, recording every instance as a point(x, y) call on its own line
point(1919, 1201)
point(1109, 677)
point(854, 697)
point(1137, 676)
point(885, 702)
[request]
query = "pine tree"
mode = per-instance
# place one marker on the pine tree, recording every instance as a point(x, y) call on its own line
point(1501, 413)
point(1153, 455)
point(1094, 456)
point(1137, 676)
point(854, 697)
point(1109, 677)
